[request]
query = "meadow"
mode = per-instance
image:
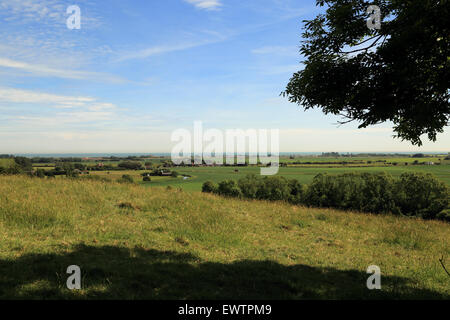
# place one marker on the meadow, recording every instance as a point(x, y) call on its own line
point(198, 175)
point(135, 242)
point(6, 162)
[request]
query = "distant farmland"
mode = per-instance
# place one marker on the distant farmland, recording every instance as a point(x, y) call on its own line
point(303, 174)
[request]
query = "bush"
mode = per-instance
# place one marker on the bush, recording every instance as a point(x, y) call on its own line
point(50, 174)
point(249, 186)
point(24, 163)
point(273, 188)
point(146, 179)
point(444, 215)
point(229, 188)
point(126, 178)
point(351, 191)
point(296, 191)
point(14, 169)
point(378, 194)
point(131, 165)
point(174, 174)
point(40, 173)
point(209, 187)
point(420, 194)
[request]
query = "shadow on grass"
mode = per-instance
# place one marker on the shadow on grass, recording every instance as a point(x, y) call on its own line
point(121, 273)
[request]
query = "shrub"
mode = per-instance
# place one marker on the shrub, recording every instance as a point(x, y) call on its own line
point(273, 188)
point(131, 165)
point(126, 178)
point(209, 187)
point(229, 188)
point(420, 194)
point(296, 191)
point(377, 194)
point(40, 173)
point(14, 169)
point(50, 174)
point(24, 163)
point(322, 192)
point(444, 215)
point(146, 179)
point(249, 186)
point(174, 174)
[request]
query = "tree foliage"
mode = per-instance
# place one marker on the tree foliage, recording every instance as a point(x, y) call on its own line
point(398, 73)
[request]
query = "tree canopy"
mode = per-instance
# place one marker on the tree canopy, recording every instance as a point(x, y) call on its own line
point(398, 73)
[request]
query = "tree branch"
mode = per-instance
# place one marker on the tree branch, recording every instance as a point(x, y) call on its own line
point(441, 260)
point(367, 48)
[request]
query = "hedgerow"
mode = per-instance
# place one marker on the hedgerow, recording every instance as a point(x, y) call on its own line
point(411, 194)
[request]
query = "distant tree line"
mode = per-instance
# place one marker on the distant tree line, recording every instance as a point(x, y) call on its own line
point(411, 194)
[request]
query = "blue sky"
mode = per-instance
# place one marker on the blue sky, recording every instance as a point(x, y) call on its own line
point(137, 70)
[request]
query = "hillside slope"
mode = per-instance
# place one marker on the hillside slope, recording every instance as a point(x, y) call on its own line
point(134, 242)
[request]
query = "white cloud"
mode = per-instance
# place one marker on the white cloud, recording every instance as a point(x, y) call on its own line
point(205, 4)
point(32, 10)
point(27, 96)
point(45, 71)
point(145, 53)
point(72, 109)
point(162, 49)
point(49, 12)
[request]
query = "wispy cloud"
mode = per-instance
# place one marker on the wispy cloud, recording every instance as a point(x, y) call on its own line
point(71, 108)
point(31, 10)
point(36, 112)
point(156, 50)
point(45, 71)
point(49, 12)
point(206, 4)
point(162, 49)
point(27, 96)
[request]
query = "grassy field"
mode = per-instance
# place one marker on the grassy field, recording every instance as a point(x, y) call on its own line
point(6, 163)
point(136, 242)
point(303, 174)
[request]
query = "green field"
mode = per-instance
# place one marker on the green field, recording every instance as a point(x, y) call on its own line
point(6, 163)
point(303, 174)
point(133, 242)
